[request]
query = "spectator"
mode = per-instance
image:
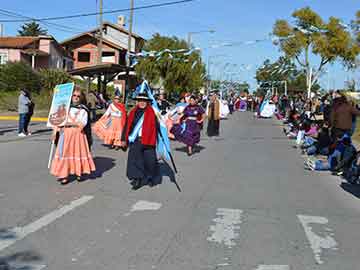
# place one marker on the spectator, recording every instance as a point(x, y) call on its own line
point(24, 104)
point(341, 117)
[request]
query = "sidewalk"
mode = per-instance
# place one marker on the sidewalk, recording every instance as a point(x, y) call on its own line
point(9, 130)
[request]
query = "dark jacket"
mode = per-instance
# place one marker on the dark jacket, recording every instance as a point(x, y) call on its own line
point(341, 116)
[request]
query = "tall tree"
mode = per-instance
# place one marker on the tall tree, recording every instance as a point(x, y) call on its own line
point(32, 29)
point(276, 73)
point(312, 36)
point(176, 71)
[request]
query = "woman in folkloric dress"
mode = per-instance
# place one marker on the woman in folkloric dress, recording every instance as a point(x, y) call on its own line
point(189, 128)
point(73, 156)
point(173, 117)
point(110, 126)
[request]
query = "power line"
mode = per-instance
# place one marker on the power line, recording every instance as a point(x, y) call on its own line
point(97, 13)
point(60, 27)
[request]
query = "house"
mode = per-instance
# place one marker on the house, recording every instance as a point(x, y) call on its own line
point(39, 52)
point(84, 47)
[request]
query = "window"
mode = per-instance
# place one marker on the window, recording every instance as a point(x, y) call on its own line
point(84, 57)
point(3, 58)
point(108, 57)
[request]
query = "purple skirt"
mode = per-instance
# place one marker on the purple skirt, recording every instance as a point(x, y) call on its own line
point(190, 136)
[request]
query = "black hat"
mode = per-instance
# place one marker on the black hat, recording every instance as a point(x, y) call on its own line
point(142, 96)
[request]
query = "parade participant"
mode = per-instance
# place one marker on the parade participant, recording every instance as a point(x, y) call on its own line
point(73, 156)
point(231, 102)
point(163, 104)
point(188, 130)
point(213, 113)
point(174, 116)
point(92, 102)
point(110, 126)
point(237, 104)
point(141, 135)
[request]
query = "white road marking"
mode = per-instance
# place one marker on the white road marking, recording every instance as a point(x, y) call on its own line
point(20, 233)
point(317, 242)
point(144, 206)
point(23, 266)
point(273, 267)
point(226, 228)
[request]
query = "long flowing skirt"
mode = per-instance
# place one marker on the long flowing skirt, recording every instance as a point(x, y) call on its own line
point(109, 130)
point(72, 156)
point(213, 127)
point(189, 135)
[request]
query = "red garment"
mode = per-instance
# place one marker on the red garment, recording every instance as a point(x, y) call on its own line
point(120, 106)
point(149, 132)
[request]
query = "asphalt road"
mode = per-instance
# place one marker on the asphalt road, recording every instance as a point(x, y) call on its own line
point(246, 203)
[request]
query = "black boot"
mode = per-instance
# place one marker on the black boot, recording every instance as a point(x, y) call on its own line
point(136, 184)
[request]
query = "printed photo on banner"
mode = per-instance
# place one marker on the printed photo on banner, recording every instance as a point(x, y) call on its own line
point(60, 104)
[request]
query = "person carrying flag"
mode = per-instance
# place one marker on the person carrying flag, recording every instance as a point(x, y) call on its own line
point(140, 134)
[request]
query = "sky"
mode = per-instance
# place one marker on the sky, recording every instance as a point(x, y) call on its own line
point(232, 20)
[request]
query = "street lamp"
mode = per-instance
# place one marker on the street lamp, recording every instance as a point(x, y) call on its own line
point(198, 32)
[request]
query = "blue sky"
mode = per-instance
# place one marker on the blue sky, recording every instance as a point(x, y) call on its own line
point(233, 20)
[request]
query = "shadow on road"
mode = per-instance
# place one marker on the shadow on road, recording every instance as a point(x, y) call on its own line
point(165, 171)
point(196, 149)
point(6, 234)
point(352, 189)
point(24, 260)
point(103, 164)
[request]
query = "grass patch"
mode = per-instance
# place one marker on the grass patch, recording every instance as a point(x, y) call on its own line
point(9, 103)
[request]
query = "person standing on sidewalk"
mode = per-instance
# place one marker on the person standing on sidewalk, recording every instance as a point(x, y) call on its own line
point(341, 117)
point(24, 104)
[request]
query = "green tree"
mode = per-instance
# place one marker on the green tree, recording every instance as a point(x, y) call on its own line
point(177, 72)
point(32, 29)
point(276, 73)
point(312, 36)
point(15, 76)
point(52, 77)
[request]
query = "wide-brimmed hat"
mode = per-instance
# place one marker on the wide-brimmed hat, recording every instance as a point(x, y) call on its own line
point(143, 97)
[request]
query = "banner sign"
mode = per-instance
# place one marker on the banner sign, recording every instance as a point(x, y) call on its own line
point(60, 105)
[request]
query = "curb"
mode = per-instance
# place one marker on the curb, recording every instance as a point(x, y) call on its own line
point(16, 118)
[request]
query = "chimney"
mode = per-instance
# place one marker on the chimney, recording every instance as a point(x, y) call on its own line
point(121, 21)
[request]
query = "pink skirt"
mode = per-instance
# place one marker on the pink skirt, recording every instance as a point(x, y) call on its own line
point(109, 130)
point(72, 156)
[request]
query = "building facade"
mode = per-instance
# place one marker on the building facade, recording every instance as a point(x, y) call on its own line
point(39, 52)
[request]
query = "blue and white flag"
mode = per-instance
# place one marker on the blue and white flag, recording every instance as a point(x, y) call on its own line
point(163, 142)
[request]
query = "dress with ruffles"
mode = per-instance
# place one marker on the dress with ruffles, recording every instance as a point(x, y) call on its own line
point(188, 132)
point(73, 156)
point(110, 126)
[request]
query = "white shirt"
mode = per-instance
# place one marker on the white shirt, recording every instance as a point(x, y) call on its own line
point(78, 116)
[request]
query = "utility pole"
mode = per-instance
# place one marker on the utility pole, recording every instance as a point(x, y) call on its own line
point(100, 39)
point(189, 39)
point(128, 57)
point(1, 30)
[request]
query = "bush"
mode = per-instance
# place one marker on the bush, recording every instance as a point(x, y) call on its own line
point(52, 77)
point(15, 76)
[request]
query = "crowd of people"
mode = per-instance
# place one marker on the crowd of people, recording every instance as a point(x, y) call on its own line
point(323, 128)
point(136, 131)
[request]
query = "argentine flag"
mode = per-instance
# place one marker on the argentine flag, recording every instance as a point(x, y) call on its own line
point(163, 141)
